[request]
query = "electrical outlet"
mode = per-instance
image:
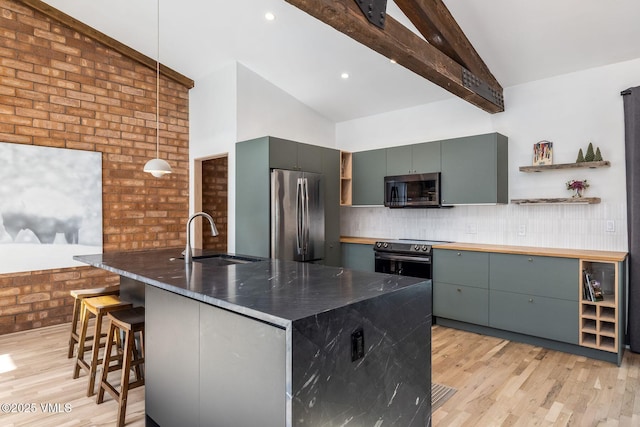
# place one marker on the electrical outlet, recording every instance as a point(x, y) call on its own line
point(357, 344)
point(522, 230)
point(471, 228)
point(611, 226)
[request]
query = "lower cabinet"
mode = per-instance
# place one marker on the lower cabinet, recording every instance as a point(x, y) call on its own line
point(463, 303)
point(542, 297)
point(358, 256)
point(550, 318)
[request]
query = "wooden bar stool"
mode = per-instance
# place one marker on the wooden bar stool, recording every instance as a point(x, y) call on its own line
point(128, 322)
point(98, 307)
point(78, 295)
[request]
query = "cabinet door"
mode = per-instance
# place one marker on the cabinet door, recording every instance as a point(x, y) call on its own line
point(369, 168)
point(283, 154)
point(426, 157)
point(544, 317)
point(462, 303)
point(310, 158)
point(241, 360)
point(474, 170)
point(466, 268)
point(399, 160)
point(331, 173)
point(358, 257)
point(536, 275)
point(172, 364)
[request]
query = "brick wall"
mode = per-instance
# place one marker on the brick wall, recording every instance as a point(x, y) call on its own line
point(59, 88)
point(214, 202)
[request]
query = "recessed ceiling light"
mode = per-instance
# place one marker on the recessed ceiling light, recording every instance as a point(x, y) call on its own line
point(344, 75)
point(269, 16)
point(393, 61)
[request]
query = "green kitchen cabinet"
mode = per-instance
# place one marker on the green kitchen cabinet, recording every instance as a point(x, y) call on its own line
point(369, 170)
point(475, 170)
point(254, 160)
point(358, 256)
point(291, 155)
point(415, 158)
point(461, 286)
point(535, 295)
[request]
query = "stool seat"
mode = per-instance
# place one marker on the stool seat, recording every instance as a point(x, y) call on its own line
point(128, 321)
point(78, 295)
point(98, 307)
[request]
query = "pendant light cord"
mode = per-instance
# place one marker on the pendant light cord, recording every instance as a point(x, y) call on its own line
point(158, 87)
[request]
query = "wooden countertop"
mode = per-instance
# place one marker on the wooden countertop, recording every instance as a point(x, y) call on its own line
point(585, 254)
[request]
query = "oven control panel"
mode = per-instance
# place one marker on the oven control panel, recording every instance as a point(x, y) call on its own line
point(405, 247)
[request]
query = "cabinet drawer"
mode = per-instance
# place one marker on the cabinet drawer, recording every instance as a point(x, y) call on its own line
point(461, 268)
point(463, 303)
point(544, 317)
point(535, 275)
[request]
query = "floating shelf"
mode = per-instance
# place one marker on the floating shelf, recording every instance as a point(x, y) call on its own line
point(563, 201)
point(581, 165)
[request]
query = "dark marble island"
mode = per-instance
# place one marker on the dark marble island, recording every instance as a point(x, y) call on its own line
point(278, 343)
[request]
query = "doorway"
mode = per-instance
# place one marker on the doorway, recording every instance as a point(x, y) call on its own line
point(211, 196)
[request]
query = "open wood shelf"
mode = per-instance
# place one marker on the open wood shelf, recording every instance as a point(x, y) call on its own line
point(558, 201)
point(346, 196)
point(581, 165)
point(599, 319)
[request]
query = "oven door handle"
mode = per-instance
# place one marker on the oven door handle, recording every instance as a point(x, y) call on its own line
point(395, 257)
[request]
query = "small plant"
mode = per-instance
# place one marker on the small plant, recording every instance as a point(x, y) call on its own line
point(598, 157)
point(580, 157)
point(577, 186)
point(590, 155)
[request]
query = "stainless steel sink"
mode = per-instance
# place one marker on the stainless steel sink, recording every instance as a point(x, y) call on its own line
point(223, 259)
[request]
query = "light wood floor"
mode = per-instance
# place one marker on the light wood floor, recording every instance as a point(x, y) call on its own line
point(499, 383)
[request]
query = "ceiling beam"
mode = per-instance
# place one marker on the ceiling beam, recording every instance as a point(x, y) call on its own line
point(438, 26)
point(107, 41)
point(400, 44)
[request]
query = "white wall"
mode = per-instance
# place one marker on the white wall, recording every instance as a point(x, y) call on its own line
point(568, 110)
point(235, 104)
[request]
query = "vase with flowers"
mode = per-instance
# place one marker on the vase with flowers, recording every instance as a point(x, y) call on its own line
point(577, 186)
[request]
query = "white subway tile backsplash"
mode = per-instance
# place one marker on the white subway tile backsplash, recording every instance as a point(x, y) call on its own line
point(557, 226)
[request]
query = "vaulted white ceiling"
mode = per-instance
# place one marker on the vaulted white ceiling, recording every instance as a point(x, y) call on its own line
point(520, 41)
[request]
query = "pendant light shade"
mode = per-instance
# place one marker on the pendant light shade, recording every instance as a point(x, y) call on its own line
point(158, 167)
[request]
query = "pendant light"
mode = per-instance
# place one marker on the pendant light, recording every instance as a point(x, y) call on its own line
point(158, 167)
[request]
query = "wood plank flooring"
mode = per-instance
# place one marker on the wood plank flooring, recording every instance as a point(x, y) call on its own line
point(499, 383)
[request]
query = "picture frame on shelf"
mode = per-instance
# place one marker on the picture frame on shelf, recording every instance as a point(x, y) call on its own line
point(543, 153)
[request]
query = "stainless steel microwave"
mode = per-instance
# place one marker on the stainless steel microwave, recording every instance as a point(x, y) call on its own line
point(412, 191)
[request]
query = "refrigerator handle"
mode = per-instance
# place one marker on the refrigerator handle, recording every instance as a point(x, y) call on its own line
point(299, 215)
point(306, 216)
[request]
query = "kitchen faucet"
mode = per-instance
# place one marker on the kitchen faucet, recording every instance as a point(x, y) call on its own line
point(214, 232)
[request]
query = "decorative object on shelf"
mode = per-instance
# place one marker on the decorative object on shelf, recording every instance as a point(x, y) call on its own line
point(580, 158)
point(577, 186)
point(590, 156)
point(598, 157)
point(542, 153)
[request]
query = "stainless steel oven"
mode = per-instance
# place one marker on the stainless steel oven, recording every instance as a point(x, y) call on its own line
point(405, 257)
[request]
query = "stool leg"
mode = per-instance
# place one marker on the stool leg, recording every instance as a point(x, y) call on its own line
point(81, 341)
point(77, 303)
point(106, 360)
point(129, 348)
point(93, 366)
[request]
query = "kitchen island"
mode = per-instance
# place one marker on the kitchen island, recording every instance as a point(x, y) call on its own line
point(234, 341)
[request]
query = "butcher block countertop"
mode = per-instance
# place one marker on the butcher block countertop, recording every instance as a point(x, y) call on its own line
point(592, 255)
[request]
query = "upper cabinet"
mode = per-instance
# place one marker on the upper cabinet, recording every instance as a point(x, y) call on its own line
point(369, 170)
point(474, 170)
point(416, 158)
point(285, 154)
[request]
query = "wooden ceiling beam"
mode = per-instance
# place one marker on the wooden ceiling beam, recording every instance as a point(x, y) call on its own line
point(434, 21)
point(109, 42)
point(402, 45)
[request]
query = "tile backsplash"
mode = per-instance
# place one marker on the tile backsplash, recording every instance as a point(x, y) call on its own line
point(598, 227)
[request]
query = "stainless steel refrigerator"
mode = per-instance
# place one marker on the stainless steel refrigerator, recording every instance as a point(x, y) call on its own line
point(297, 215)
